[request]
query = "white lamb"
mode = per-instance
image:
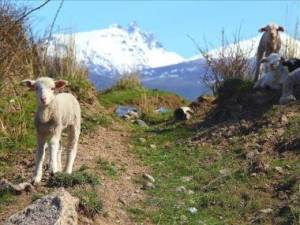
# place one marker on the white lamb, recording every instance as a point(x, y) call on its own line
point(55, 112)
point(274, 73)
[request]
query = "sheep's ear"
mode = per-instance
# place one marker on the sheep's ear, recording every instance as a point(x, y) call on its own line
point(264, 60)
point(28, 83)
point(60, 83)
point(263, 29)
point(280, 28)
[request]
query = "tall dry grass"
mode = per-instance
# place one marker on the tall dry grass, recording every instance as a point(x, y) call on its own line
point(128, 81)
point(230, 61)
point(24, 56)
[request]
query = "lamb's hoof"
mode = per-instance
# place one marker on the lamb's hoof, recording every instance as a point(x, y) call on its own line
point(287, 99)
point(35, 182)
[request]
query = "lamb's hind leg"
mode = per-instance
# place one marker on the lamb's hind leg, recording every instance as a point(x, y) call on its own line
point(74, 133)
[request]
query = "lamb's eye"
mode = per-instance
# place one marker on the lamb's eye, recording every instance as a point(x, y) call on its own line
point(53, 89)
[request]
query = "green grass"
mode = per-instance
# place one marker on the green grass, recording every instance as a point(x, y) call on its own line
point(90, 201)
point(108, 168)
point(6, 197)
point(231, 199)
point(70, 180)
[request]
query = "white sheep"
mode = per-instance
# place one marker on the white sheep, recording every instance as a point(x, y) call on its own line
point(274, 72)
point(55, 112)
point(269, 43)
point(288, 87)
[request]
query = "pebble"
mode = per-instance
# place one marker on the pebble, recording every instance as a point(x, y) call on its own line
point(153, 146)
point(181, 189)
point(142, 140)
point(148, 186)
point(192, 210)
point(149, 177)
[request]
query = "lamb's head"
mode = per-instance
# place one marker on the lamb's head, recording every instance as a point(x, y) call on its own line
point(273, 61)
point(45, 88)
point(272, 30)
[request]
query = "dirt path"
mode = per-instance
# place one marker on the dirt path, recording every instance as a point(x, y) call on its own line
point(118, 192)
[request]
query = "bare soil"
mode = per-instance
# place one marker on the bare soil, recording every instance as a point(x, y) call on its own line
point(118, 192)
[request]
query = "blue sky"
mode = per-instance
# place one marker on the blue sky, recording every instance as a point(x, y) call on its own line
point(171, 21)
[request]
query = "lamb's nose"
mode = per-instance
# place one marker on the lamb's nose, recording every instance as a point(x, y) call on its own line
point(43, 99)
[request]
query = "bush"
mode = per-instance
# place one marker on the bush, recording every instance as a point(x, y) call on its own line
point(90, 203)
point(128, 81)
point(70, 180)
point(232, 87)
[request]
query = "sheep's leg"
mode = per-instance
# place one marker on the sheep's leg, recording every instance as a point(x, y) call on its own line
point(72, 148)
point(259, 56)
point(39, 159)
point(59, 152)
point(54, 149)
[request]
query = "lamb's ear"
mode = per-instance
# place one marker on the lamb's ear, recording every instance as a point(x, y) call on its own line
point(280, 28)
point(60, 83)
point(264, 60)
point(28, 83)
point(263, 29)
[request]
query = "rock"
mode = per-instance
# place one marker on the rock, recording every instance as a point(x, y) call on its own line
point(284, 120)
point(279, 169)
point(187, 178)
point(16, 188)
point(190, 192)
point(141, 123)
point(148, 177)
point(127, 112)
point(58, 208)
point(161, 110)
point(148, 186)
point(142, 140)
point(266, 211)
point(183, 113)
point(225, 172)
point(181, 189)
point(192, 210)
point(153, 146)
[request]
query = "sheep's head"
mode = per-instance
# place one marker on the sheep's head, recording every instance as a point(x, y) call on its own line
point(273, 61)
point(272, 29)
point(45, 88)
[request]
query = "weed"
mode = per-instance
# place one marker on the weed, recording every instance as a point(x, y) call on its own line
point(90, 202)
point(70, 180)
point(107, 167)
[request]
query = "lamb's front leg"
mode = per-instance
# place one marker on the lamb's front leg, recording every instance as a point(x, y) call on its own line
point(39, 158)
point(54, 150)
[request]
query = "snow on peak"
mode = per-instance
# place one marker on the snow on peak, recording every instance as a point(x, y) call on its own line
point(249, 47)
point(120, 49)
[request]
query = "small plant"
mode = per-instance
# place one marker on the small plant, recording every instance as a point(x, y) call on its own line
point(232, 87)
point(70, 180)
point(90, 202)
point(6, 197)
point(128, 81)
point(108, 167)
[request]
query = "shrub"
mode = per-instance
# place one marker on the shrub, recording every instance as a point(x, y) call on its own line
point(70, 180)
point(90, 203)
point(128, 81)
point(232, 87)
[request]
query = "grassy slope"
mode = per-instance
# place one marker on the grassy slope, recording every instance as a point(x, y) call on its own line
point(210, 159)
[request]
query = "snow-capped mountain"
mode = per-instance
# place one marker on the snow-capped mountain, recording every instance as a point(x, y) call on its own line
point(111, 52)
point(118, 50)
